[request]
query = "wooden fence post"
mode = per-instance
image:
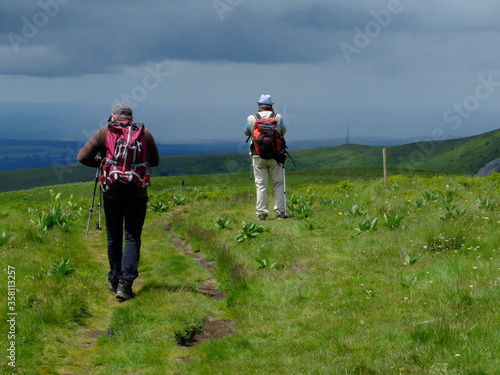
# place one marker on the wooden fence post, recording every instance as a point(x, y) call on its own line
point(384, 157)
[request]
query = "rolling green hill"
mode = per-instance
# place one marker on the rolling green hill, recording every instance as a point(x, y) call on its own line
point(464, 155)
point(358, 280)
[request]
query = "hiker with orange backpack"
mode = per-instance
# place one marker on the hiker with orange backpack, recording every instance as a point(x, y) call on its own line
point(266, 128)
point(126, 152)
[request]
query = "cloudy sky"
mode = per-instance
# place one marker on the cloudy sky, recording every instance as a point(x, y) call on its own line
point(193, 69)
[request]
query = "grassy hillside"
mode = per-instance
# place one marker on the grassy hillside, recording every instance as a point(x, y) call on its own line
point(360, 280)
point(465, 155)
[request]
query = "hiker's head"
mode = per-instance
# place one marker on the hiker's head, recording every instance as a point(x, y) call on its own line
point(122, 112)
point(265, 103)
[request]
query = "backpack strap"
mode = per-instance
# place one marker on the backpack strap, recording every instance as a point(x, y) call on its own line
point(259, 117)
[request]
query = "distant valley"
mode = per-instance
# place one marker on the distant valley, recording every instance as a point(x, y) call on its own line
point(45, 163)
point(28, 154)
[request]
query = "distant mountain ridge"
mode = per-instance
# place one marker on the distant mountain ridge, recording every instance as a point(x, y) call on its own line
point(37, 153)
point(461, 156)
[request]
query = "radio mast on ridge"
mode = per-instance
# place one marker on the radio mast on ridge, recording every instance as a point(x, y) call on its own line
point(347, 138)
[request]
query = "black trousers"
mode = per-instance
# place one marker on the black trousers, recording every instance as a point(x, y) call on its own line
point(128, 214)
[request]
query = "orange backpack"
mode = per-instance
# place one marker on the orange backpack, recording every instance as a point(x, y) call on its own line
point(268, 142)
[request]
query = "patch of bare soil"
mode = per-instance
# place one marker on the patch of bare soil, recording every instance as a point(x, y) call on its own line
point(212, 328)
point(181, 244)
point(92, 335)
point(209, 288)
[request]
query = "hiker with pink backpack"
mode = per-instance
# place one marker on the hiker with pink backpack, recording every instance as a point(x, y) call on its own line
point(268, 153)
point(124, 151)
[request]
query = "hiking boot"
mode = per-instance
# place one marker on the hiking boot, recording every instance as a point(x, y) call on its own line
point(113, 286)
point(280, 215)
point(262, 217)
point(124, 292)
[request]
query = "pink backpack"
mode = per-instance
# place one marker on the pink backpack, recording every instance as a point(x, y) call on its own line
point(125, 166)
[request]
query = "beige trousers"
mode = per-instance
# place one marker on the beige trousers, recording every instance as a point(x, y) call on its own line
point(263, 169)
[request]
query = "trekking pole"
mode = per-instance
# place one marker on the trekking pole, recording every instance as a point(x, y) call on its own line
point(251, 158)
point(91, 207)
point(100, 208)
point(290, 156)
point(251, 167)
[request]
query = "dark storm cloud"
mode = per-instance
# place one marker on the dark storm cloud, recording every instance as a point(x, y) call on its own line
point(70, 37)
point(395, 66)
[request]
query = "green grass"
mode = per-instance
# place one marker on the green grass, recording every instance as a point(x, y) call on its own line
point(312, 294)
